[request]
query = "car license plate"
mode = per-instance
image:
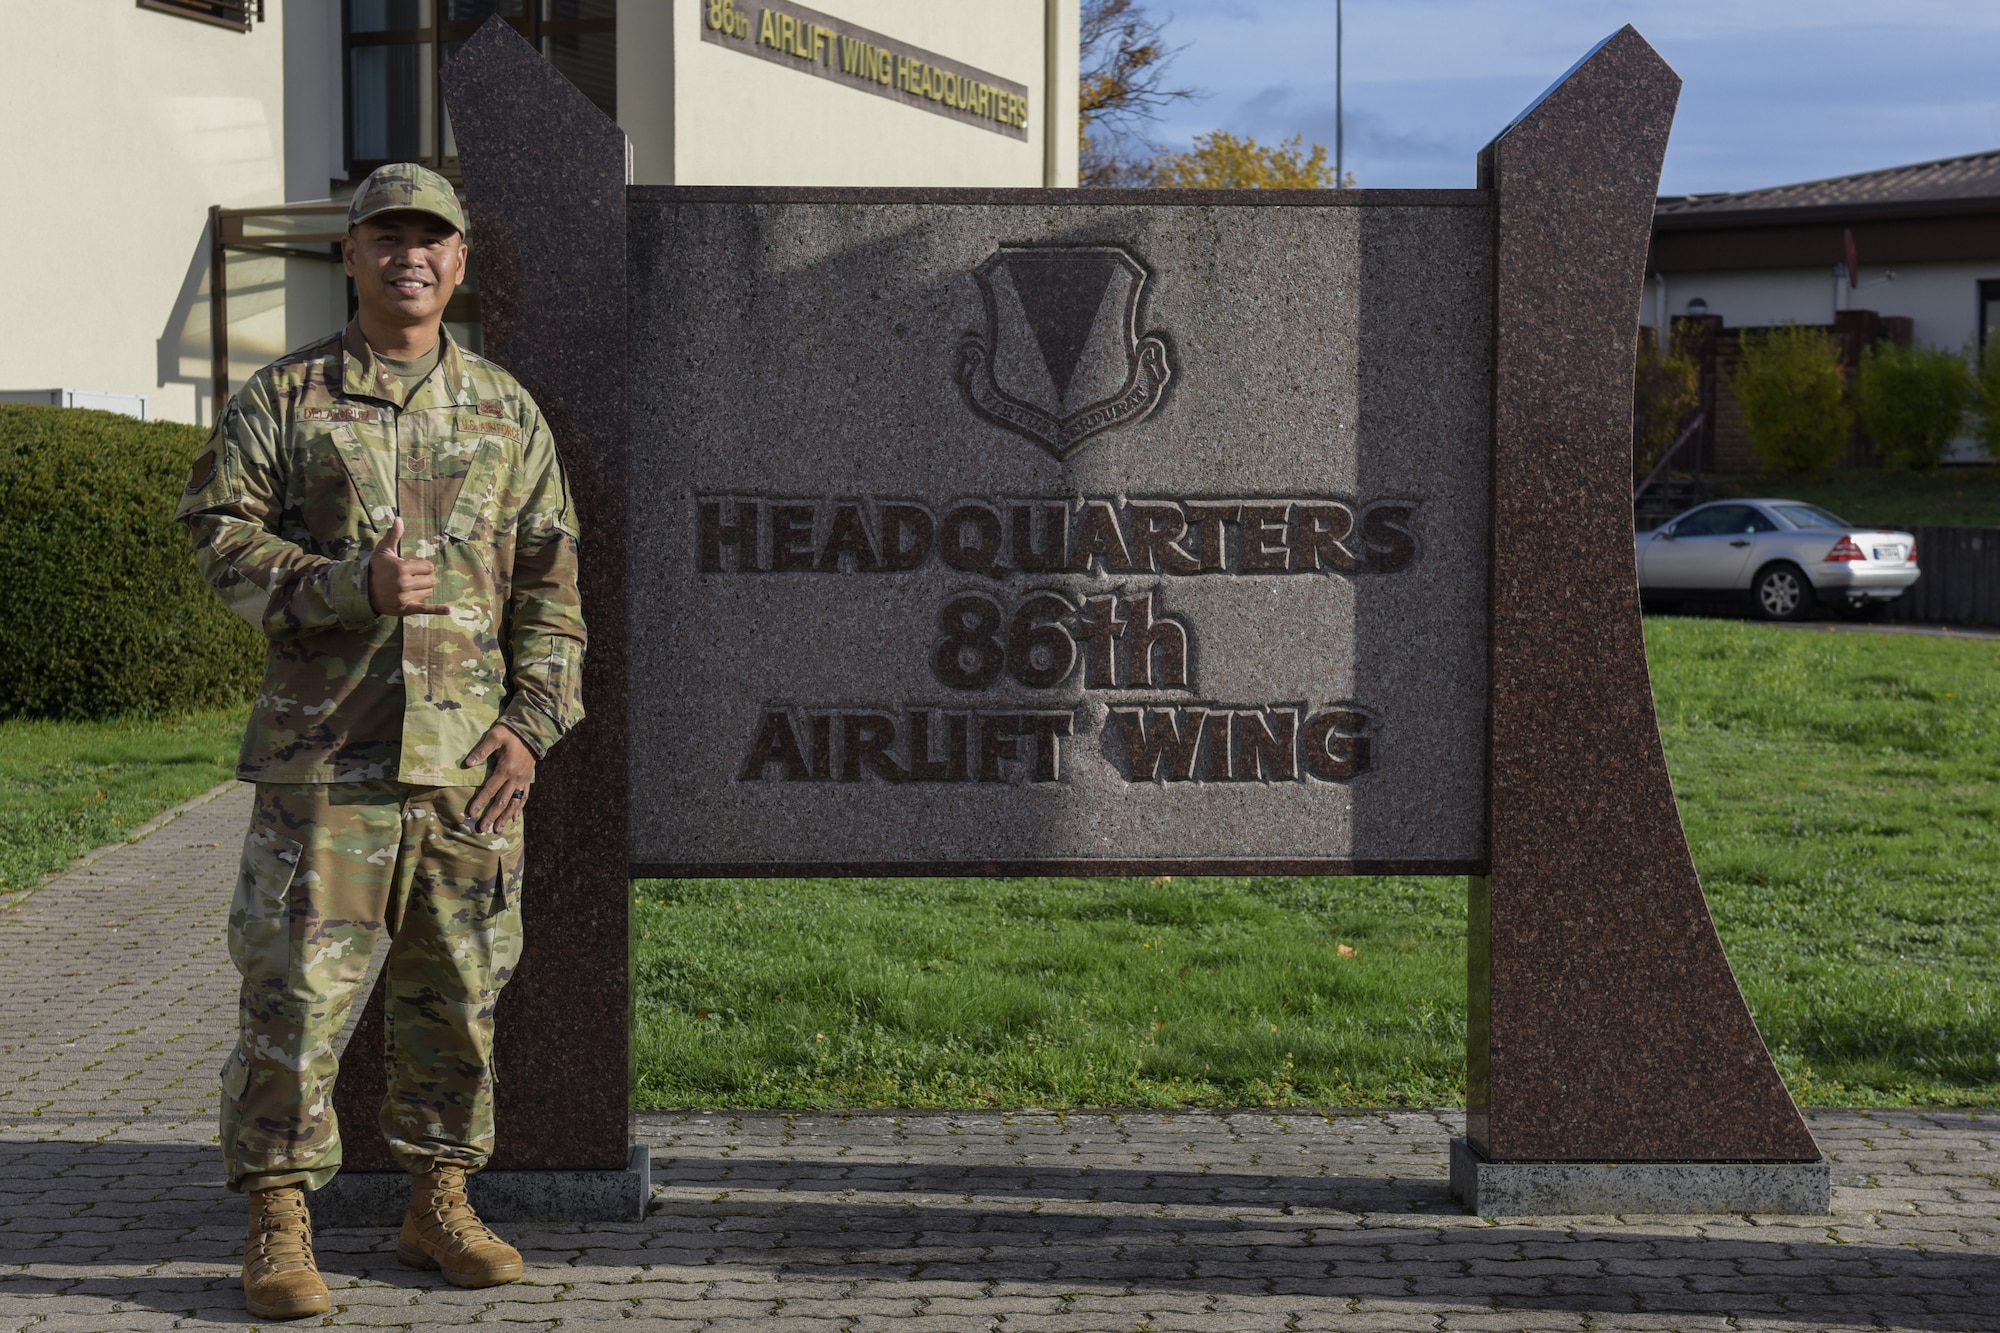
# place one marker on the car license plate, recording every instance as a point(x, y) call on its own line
point(1888, 553)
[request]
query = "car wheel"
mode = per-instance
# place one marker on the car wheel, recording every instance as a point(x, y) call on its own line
point(1782, 592)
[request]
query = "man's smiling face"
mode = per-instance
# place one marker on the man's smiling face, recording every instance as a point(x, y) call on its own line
point(405, 266)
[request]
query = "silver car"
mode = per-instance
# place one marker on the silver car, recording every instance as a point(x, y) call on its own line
point(1784, 556)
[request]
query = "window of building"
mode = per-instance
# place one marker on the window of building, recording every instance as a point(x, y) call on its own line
point(237, 14)
point(396, 48)
point(1989, 313)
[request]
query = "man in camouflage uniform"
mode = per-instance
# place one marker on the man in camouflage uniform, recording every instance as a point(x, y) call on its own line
point(388, 509)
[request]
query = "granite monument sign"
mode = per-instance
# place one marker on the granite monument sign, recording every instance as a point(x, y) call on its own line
point(1013, 537)
point(1111, 532)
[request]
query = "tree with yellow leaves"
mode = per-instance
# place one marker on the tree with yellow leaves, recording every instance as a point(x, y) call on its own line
point(1122, 85)
point(1221, 161)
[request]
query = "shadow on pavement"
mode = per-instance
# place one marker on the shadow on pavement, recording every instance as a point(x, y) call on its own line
point(70, 1211)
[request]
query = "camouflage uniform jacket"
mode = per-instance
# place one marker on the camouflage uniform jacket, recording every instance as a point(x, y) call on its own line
point(286, 505)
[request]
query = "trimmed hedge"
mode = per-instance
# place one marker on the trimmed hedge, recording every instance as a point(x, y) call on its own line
point(101, 610)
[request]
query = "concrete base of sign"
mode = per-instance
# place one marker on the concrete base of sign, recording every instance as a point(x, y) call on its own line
point(378, 1198)
point(1515, 1189)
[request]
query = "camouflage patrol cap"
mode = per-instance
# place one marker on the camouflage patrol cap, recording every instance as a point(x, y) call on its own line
point(405, 185)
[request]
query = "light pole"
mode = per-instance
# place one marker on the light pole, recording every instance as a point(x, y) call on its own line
point(1339, 104)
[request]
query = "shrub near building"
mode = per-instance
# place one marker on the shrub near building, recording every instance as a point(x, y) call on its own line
point(1789, 385)
point(103, 611)
point(1912, 402)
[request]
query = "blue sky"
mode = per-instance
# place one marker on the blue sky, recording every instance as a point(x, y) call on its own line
point(1775, 90)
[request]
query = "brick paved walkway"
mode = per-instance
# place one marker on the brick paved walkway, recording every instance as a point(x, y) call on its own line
point(115, 994)
point(111, 1216)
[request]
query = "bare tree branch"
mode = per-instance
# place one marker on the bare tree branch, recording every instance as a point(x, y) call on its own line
point(1121, 87)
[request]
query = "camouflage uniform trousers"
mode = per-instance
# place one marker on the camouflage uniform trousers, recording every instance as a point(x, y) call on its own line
point(329, 869)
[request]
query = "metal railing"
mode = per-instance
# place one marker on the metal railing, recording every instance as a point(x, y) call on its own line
point(1960, 583)
point(1693, 428)
point(291, 231)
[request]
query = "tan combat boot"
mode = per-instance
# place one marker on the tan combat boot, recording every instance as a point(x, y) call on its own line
point(441, 1231)
point(280, 1280)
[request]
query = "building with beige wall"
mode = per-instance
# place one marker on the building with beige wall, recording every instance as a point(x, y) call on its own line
point(123, 128)
point(881, 92)
point(153, 126)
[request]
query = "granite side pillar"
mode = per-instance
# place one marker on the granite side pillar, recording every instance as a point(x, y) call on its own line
point(545, 177)
point(1605, 1023)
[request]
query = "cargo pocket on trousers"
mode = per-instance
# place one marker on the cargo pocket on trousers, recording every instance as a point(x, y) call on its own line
point(260, 914)
point(235, 1075)
point(504, 866)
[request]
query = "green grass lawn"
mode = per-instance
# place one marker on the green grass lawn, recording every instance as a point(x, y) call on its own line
point(66, 787)
point(1959, 496)
point(1050, 992)
point(1838, 793)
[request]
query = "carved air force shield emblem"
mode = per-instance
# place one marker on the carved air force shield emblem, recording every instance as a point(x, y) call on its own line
point(1062, 359)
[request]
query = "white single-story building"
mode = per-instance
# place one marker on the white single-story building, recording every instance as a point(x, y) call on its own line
point(1909, 253)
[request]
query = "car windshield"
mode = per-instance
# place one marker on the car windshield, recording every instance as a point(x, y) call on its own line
point(1810, 516)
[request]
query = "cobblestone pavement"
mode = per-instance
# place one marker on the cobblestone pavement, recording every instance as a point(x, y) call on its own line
point(116, 991)
point(112, 1216)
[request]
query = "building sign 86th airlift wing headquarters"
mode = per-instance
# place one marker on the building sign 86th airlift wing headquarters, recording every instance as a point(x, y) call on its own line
point(998, 536)
point(857, 57)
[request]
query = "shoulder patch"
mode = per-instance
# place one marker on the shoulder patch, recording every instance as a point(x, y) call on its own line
point(204, 472)
point(364, 414)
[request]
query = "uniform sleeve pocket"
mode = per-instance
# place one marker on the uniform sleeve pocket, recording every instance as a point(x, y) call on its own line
point(565, 682)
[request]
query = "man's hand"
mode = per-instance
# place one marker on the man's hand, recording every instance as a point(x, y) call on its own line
point(399, 587)
point(505, 793)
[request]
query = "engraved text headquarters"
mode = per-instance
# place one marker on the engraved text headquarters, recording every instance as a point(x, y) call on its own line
point(1059, 595)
